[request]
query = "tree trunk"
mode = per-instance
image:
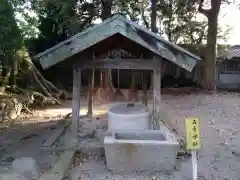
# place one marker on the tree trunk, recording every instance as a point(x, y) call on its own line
point(154, 16)
point(153, 26)
point(42, 87)
point(106, 13)
point(14, 73)
point(106, 9)
point(45, 81)
point(169, 33)
point(209, 80)
point(5, 75)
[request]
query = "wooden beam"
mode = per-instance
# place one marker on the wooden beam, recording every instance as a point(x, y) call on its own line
point(76, 100)
point(119, 63)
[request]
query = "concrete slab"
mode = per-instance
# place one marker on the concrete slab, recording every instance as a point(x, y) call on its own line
point(141, 150)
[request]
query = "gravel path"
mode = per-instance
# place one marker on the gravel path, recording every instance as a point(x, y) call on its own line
point(219, 118)
point(219, 121)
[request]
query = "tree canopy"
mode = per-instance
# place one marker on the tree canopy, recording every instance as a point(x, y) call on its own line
point(10, 36)
point(40, 24)
point(57, 20)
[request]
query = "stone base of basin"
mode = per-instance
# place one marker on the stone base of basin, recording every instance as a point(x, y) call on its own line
point(140, 151)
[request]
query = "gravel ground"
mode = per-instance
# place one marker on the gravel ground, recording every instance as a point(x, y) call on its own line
point(219, 158)
point(219, 120)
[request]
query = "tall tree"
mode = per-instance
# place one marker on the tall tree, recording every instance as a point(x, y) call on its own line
point(106, 11)
point(154, 16)
point(211, 51)
point(11, 42)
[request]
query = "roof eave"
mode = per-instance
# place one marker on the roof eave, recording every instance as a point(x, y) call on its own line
point(75, 36)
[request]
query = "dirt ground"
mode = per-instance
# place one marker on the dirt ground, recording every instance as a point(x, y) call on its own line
point(24, 138)
point(219, 119)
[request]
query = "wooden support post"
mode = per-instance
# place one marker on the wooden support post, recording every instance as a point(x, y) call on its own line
point(133, 87)
point(144, 89)
point(90, 91)
point(101, 78)
point(118, 79)
point(93, 78)
point(76, 100)
point(157, 92)
point(93, 83)
point(105, 84)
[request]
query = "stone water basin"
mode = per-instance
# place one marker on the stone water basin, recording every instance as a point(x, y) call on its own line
point(141, 150)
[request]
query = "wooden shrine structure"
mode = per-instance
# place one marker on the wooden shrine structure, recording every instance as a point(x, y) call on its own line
point(145, 51)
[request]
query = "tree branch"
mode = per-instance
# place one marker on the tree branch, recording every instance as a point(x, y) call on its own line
point(203, 11)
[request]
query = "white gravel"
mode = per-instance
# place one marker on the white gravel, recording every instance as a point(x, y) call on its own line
point(219, 117)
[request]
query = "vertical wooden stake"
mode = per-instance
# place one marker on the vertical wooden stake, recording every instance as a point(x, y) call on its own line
point(194, 164)
point(76, 100)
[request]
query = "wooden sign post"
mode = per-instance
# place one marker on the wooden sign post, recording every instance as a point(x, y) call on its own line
point(193, 140)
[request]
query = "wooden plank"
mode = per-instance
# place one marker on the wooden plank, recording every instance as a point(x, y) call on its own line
point(166, 119)
point(60, 169)
point(119, 63)
point(49, 142)
point(76, 100)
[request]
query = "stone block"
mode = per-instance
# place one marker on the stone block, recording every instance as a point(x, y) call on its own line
point(141, 150)
point(26, 166)
point(12, 176)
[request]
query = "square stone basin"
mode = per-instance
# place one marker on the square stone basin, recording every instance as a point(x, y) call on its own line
point(141, 150)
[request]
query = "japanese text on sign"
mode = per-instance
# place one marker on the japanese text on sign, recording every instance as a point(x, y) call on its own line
point(193, 133)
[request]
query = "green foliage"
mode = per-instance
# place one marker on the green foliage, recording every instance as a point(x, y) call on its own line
point(27, 20)
point(179, 22)
point(130, 9)
point(10, 36)
point(56, 20)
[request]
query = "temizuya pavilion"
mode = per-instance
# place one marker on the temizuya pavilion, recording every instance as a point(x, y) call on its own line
point(84, 50)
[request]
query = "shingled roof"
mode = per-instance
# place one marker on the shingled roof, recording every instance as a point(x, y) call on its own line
point(117, 24)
